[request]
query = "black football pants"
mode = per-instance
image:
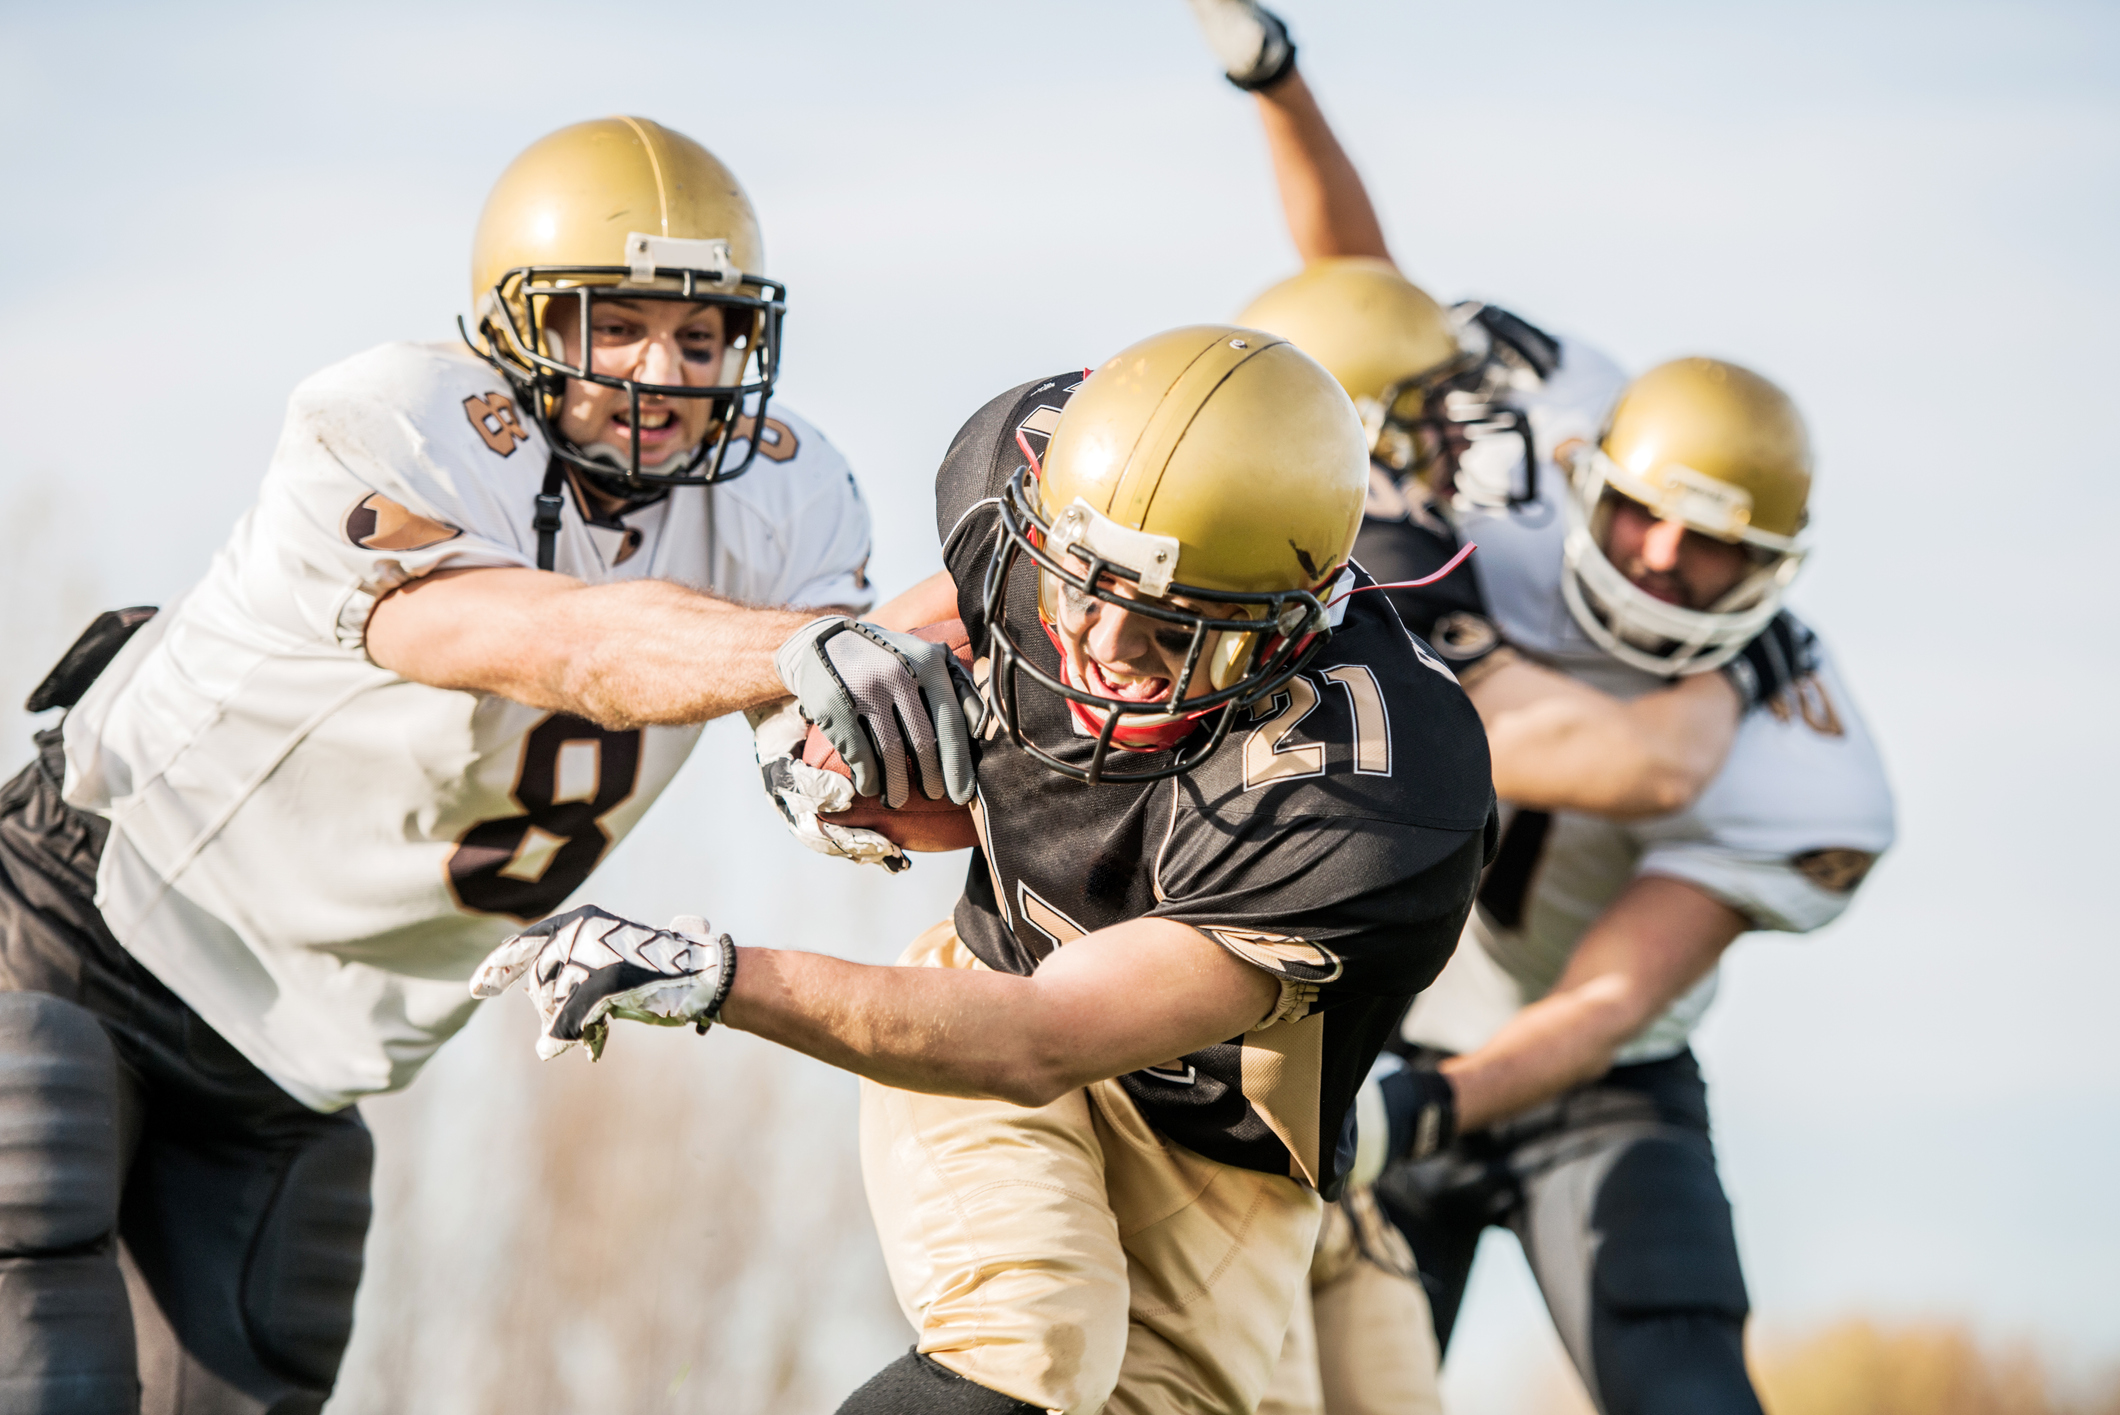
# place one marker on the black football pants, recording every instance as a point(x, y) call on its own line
point(1613, 1193)
point(138, 1147)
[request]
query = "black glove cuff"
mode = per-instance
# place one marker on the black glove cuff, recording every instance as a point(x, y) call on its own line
point(1272, 73)
point(1422, 1108)
point(728, 979)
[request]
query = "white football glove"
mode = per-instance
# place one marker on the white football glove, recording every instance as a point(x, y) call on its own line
point(804, 792)
point(587, 966)
point(1248, 38)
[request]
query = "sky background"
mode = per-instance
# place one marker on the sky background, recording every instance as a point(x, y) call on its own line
point(1905, 214)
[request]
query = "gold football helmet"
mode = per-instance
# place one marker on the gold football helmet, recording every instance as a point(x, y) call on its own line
point(623, 207)
point(1720, 449)
point(1220, 473)
point(1429, 386)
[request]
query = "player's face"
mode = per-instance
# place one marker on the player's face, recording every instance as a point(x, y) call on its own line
point(1666, 560)
point(649, 341)
point(1129, 656)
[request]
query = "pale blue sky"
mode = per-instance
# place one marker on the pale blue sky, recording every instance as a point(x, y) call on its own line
point(1905, 213)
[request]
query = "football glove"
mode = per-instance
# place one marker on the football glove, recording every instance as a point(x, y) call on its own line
point(1250, 41)
point(1780, 655)
point(587, 966)
point(886, 702)
point(804, 792)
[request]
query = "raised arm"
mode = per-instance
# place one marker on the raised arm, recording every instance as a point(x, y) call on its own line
point(1322, 198)
point(1327, 208)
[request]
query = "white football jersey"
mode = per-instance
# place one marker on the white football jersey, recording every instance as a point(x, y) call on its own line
point(313, 852)
point(1783, 834)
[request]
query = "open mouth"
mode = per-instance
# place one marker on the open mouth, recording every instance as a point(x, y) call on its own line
point(656, 425)
point(1126, 687)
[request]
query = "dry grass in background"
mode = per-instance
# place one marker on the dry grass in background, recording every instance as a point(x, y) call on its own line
point(1861, 1367)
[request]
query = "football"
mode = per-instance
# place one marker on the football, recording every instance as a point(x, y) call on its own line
point(920, 824)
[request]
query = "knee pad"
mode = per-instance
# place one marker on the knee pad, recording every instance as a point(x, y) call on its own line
point(916, 1385)
point(61, 1141)
point(305, 1262)
point(1667, 1245)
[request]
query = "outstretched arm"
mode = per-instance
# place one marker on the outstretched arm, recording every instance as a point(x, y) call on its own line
point(1111, 1002)
point(624, 655)
point(648, 651)
point(1655, 941)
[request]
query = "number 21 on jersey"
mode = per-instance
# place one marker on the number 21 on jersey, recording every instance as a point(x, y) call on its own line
point(1271, 754)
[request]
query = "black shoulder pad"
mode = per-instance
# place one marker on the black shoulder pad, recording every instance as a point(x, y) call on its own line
point(1529, 342)
point(90, 655)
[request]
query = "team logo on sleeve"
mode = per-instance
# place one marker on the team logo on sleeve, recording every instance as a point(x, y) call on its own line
point(1296, 958)
point(493, 417)
point(378, 523)
point(1837, 870)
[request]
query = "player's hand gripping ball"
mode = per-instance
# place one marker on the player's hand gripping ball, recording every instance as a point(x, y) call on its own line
point(587, 966)
point(813, 787)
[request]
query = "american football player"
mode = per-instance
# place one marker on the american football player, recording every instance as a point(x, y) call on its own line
point(486, 598)
point(1657, 808)
point(1230, 817)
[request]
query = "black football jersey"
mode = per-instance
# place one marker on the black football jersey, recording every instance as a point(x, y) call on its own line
point(1335, 840)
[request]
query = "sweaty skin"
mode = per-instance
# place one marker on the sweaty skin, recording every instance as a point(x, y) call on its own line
point(623, 655)
point(1557, 744)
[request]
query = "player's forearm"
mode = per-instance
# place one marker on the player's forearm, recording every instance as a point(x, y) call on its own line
point(1555, 1044)
point(1322, 197)
point(1573, 748)
point(646, 651)
point(1652, 943)
point(943, 1031)
point(650, 652)
point(929, 602)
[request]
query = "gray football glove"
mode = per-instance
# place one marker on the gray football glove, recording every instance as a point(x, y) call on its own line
point(1249, 39)
point(887, 704)
point(587, 966)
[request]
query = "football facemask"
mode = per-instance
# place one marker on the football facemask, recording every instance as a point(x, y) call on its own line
point(1635, 626)
point(518, 317)
point(1242, 654)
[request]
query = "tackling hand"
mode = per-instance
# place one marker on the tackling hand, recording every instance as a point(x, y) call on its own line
point(1249, 39)
point(878, 694)
point(587, 966)
point(1780, 655)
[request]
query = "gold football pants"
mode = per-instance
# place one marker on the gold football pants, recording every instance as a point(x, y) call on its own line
point(1362, 1343)
point(1071, 1257)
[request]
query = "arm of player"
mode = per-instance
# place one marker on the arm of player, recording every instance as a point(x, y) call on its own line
point(649, 651)
point(1656, 940)
point(1322, 198)
point(623, 655)
point(1558, 744)
point(1088, 1013)
point(1327, 208)
point(1111, 1002)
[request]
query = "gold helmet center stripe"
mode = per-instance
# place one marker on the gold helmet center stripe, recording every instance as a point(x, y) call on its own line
point(1181, 403)
point(662, 191)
